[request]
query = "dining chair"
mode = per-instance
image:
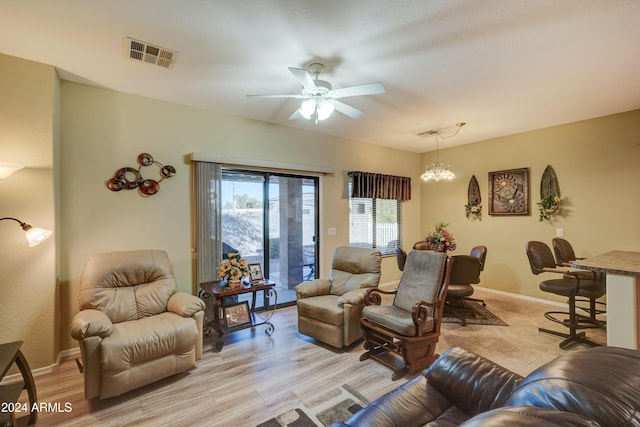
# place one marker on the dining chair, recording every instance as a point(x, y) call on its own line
point(401, 257)
point(465, 271)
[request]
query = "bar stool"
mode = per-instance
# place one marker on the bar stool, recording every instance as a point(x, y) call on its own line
point(571, 285)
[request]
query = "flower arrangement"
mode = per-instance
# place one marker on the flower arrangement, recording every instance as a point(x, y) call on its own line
point(549, 207)
point(473, 210)
point(440, 240)
point(233, 268)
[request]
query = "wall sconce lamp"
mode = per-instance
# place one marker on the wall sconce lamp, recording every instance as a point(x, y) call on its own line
point(7, 169)
point(34, 235)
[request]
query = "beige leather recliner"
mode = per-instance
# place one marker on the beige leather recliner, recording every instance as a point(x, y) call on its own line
point(329, 310)
point(134, 327)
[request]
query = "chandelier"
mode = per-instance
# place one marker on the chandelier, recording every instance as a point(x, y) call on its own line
point(437, 170)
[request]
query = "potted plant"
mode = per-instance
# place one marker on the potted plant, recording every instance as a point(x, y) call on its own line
point(549, 207)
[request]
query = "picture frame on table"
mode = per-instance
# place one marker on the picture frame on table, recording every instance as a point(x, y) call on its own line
point(255, 273)
point(509, 192)
point(237, 315)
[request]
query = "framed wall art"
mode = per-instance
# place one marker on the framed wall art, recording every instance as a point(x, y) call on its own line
point(237, 315)
point(509, 192)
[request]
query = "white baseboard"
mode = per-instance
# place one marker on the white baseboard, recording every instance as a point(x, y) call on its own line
point(519, 296)
point(387, 286)
point(394, 284)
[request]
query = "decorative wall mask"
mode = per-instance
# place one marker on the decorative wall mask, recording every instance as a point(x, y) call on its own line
point(129, 178)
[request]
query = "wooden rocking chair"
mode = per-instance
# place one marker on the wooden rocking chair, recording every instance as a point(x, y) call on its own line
point(410, 327)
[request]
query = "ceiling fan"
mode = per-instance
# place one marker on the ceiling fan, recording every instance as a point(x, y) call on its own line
point(320, 99)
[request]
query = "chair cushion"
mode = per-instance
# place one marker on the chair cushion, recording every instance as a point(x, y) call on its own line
point(459, 291)
point(323, 308)
point(421, 279)
point(354, 268)
point(127, 285)
point(566, 287)
point(394, 319)
point(343, 282)
point(149, 338)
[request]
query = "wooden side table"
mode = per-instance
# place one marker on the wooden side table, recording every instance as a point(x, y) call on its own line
point(9, 354)
point(213, 293)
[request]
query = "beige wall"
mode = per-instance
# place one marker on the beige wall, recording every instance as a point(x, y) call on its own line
point(27, 275)
point(103, 130)
point(598, 167)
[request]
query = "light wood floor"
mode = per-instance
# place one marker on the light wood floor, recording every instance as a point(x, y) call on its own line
point(256, 377)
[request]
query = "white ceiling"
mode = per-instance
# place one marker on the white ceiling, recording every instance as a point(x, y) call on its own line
point(502, 66)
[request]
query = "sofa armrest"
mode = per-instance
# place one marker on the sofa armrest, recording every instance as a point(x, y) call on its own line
point(355, 297)
point(313, 288)
point(91, 323)
point(184, 304)
point(415, 403)
point(473, 383)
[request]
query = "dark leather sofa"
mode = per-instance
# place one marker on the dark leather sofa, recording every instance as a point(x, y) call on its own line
point(597, 386)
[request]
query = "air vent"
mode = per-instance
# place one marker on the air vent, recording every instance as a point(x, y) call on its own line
point(146, 52)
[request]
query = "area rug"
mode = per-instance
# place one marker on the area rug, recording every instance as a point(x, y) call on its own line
point(482, 316)
point(336, 405)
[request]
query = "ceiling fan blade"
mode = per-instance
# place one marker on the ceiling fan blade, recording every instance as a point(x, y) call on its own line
point(348, 110)
point(296, 115)
point(303, 77)
point(366, 89)
point(275, 96)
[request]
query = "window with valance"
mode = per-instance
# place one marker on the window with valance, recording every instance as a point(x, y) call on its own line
point(375, 210)
point(379, 186)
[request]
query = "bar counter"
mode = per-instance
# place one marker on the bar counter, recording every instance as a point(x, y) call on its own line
point(622, 269)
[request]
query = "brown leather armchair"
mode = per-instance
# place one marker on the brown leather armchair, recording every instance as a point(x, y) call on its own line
point(329, 309)
point(134, 327)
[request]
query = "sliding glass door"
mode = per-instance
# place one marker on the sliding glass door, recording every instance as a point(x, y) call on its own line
point(272, 219)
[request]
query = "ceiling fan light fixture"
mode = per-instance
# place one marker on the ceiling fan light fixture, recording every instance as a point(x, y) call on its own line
point(325, 109)
point(307, 108)
point(320, 99)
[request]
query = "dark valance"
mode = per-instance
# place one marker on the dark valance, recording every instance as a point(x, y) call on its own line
point(369, 185)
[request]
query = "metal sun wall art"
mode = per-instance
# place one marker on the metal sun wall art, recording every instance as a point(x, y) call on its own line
point(509, 192)
point(129, 178)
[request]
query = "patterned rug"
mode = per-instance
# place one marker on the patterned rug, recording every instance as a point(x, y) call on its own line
point(480, 316)
point(336, 405)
